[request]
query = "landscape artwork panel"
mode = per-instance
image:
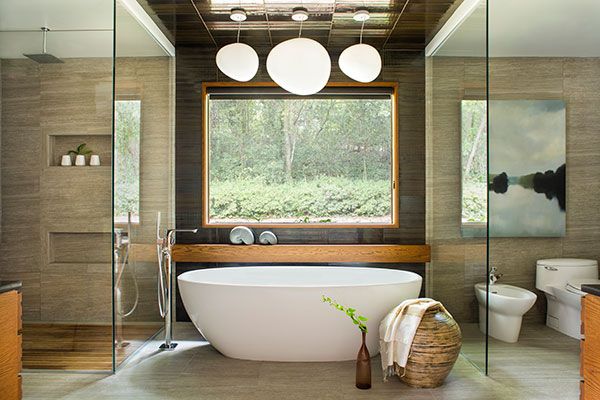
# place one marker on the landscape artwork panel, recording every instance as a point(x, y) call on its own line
point(527, 168)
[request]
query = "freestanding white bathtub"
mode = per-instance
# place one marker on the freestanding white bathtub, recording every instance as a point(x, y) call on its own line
point(276, 313)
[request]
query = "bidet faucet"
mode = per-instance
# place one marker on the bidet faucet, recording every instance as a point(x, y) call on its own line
point(494, 275)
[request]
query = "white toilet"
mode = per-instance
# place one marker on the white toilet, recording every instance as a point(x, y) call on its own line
point(560, 279)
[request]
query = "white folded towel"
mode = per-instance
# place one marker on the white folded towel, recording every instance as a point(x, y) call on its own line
point(397, 331)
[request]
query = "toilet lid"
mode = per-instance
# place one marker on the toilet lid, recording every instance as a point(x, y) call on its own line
point(575, 284)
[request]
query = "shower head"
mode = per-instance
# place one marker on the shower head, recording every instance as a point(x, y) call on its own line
point(44, 57)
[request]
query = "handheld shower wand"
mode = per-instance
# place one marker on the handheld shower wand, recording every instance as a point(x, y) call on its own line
point(164, 246)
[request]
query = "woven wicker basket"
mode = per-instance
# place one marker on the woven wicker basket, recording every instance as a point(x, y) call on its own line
point(434, 350)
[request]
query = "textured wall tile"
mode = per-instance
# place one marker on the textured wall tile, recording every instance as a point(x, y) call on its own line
point(452, 79)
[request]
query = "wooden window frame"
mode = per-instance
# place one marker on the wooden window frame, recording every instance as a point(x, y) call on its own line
point(395, 223)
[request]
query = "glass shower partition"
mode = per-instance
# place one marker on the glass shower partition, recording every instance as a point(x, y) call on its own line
point(59, 143)
point(543, 111)
point(457, 172)
point(55, 206)
point(143, 171)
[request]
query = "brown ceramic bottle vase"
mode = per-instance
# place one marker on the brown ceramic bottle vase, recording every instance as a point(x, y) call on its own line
point(363, 366)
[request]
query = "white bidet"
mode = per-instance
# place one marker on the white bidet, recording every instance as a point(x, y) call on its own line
point(507, 306)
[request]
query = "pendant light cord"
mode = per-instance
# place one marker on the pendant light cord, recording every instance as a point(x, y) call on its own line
point(239, 22)
point(301, 21)
point(361, 31)
point(362, 27)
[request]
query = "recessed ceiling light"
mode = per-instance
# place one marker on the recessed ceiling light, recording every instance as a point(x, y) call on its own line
point(238, 15)
point(300, 14)
point(361, 16)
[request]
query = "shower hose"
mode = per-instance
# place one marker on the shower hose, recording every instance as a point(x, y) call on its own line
point(122, 261)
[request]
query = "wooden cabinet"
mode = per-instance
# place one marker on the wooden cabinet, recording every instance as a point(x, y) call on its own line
point(590, 348)
point(10, 345)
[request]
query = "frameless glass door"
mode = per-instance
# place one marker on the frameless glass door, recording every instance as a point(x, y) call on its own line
point(457, 173)
point(142, 174)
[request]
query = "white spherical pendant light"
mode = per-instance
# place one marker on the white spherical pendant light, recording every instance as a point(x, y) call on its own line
point(301, 66)
point(238, 61)
point(360, 62)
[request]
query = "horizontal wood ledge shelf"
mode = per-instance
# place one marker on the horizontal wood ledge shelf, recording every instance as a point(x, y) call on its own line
point(302, 253)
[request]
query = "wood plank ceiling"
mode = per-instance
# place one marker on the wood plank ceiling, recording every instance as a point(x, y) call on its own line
point(394, 24)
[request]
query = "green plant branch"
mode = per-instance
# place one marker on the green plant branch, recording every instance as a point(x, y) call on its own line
point(81, 150)
point(358, 320)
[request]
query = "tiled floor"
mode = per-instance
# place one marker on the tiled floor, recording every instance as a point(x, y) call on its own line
point(543, 365)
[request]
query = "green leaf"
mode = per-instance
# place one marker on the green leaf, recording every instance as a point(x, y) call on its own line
point(81, 150)
point(350, 312)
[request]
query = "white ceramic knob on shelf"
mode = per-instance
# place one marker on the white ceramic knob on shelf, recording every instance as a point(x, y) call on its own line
point(80, 160)
point(95, 160)
point(65, 161)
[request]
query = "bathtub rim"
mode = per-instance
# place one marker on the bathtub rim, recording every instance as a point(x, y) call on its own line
point(416, 277)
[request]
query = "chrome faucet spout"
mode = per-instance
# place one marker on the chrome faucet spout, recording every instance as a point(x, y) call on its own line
point(494, 276)
point(164, 247)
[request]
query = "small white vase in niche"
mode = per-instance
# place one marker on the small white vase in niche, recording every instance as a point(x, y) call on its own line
point(65, 161)
point(80, 160)
point(95, 160)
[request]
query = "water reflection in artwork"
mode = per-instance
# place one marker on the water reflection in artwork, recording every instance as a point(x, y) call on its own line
point(527, 195)
point(527, 167)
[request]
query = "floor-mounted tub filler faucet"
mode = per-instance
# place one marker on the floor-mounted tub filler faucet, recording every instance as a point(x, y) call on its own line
point(164, 247)
point(494, 275)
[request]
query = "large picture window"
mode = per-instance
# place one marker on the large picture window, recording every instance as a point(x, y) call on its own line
point(275, 159)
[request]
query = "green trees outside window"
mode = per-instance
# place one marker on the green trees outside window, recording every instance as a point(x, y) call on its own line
point(127, 159)
point(474, 162)
point(300, 160)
